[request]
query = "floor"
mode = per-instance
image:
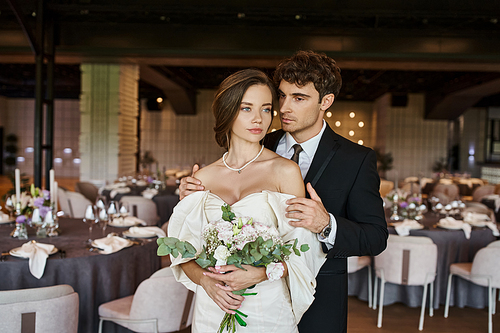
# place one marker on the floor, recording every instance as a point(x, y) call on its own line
point(400, 318)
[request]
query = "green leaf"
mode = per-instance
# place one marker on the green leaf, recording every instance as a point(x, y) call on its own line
point(170, 241)
point(286, 251)
point(227, 214)
point(240, 320)
point(204, 263)
point(190, 248)
point(264, 252)
point(175, 252)
point(159, 241)
point(239, 292)
point(268, 243)
point(297, 252)
point(304, 247)
point(295, 243)
point(241, 313)
point(256, 254)
point(181, 246)
point(163, 250)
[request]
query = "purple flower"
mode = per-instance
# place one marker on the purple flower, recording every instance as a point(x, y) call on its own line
point(404, 204)
point(44, 210)
point(150, 179)
point(21, 219)
point(38, 202)
point(46, 194)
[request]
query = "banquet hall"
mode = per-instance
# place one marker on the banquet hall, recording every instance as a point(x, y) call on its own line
point(106, 106)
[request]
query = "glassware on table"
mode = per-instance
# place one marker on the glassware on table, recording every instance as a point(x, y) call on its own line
point(102, 219)
point(101, 202)
point(124, 210)
point(448, 209)
point(90, 218)
point(113, 209)
point(9, 205)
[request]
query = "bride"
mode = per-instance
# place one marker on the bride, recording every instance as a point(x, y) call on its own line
point(255, 182)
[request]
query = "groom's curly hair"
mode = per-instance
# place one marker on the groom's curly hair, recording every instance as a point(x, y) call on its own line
point(228, 98)
point(308, 66)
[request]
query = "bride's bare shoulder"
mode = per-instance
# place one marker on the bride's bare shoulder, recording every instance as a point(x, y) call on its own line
point(283, 165)
point(207, 173)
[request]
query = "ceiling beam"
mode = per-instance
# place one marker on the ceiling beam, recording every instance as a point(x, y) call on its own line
point(454, 104)
point(182, 99)
point(25, 26)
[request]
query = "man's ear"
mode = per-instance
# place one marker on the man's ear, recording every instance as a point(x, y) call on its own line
point(327, 101)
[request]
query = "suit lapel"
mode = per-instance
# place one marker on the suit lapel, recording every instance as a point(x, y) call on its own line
point(327, 148)
point(271, 140)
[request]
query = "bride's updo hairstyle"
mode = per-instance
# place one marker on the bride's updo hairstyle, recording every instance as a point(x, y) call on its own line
point(227, 101)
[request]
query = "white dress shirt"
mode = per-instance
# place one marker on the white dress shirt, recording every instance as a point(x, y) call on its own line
point(309, 147)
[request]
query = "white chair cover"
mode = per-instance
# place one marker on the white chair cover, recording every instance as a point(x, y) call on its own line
point(146, 208)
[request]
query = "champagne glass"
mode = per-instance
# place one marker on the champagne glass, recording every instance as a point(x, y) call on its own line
point(113, 209)
point(89, 217)
point(101, 203)
point(124, 210)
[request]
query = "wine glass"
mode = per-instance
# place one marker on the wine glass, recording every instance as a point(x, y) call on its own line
point(90, 218)
point(124, 210)
point(101, 203)
point(102, 219)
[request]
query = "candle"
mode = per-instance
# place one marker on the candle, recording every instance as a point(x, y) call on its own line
point(396, 181)
point(56, 187)
point(18, 186)
point(51, 185)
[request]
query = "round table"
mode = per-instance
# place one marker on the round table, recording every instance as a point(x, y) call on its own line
point(452, 247)
point(97, 278)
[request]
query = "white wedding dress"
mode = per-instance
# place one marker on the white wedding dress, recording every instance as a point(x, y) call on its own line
point(279, 305)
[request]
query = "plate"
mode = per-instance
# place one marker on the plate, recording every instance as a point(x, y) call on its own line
point(448, 227)
point(123, 225)
point(15, 252)
point(129, 244)
point(128, 234)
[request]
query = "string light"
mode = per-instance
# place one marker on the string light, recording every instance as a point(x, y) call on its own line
point(360, 142)
point(361, 124)
point(337, 123)
point(329, 114)
point(352, 115)
point(351, 133)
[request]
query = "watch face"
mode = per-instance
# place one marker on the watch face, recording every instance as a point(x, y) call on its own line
point(326, 232)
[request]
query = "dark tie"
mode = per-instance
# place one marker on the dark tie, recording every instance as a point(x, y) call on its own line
point(296, 151)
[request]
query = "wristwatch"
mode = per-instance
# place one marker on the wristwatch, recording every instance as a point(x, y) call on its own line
point(326, 231)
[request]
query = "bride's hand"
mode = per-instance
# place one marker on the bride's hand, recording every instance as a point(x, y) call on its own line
point(235, 278)
point(225, 299)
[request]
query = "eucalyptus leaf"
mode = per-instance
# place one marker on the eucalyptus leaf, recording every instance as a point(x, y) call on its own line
point(190, 248)
point(163, 250)
point(181, 246)
point(170, 241)
point(204, 263)
point(159, 241)
point(304, 247)
point(297, 252)
point(255, 254)
point(175, 252)
point(187, 255)
point(239, 292)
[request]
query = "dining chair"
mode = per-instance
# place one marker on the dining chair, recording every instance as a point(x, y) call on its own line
point(446, 192)
point(39, 310)
point(64, 204)
point(411, 261)
point(77, 204)
point(386, 186)
point(160, 304)
point(482, 191)
point(145, 209)
point(89, 190)
point(484, 270)
point(355, 264)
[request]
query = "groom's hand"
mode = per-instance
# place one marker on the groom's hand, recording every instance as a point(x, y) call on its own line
point(190, 184)
point(310, 213)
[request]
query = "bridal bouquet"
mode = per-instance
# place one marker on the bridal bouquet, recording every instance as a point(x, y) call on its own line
point(236, 241)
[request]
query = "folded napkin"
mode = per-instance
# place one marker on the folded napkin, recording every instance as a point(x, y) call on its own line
point(494, 228)
point(474, 218)
point(403, 228)
point(4, 217)
point(121, 190)
point(147, 231)
point(37, 253)
point(111, 244)
point(149, 193)
point(127, 221)
point(451, 223)
point(141, 183)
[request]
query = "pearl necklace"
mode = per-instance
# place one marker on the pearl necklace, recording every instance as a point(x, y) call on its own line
point(243, 167)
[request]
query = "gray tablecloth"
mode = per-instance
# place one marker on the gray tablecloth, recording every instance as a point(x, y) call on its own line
point(96, 278)
point(453, 247)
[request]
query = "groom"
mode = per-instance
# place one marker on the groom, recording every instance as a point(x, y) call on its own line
point(343, 205)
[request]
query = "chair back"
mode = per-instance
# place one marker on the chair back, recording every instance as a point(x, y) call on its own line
point(494, 244)
point(354, 264)
point(482, 191)
point(487, 263)
point(39, 310)
point(77, 203)
point(162, 297)
point(446, 192)
point(408, 260)
point(386, 186)
point(64, 204)
point(145, 208)
point(89, 190)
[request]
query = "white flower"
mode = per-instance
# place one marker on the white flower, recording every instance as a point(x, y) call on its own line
point(274, 271)
point(221, 254)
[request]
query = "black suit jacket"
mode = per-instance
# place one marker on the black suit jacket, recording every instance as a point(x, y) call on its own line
point(344, 174)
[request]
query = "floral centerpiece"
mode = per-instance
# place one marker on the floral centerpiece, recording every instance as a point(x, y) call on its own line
point(33, 201)
point(236, 241)
point(405, 205)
